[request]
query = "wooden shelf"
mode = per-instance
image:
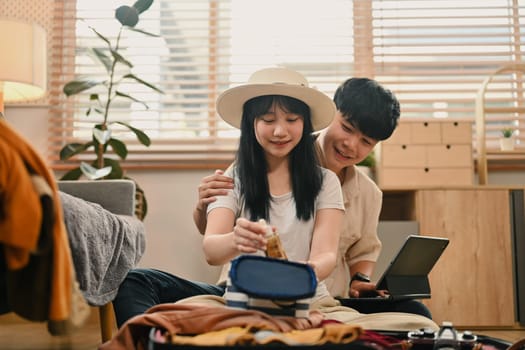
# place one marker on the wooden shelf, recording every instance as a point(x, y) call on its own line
point(478, 264)
point(483, 154)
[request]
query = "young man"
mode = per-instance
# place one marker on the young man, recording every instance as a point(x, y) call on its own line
point(366, 114)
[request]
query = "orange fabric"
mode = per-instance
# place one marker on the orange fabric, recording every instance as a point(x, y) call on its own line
point(197, 319)
point(24, 214)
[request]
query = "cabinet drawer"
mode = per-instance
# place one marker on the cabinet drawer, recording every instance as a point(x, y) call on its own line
point(456, 132)
point(425, 132)
point(425, 177)
point(449, 156)
point(431, 132)
point(400, 135)
point(403, 155)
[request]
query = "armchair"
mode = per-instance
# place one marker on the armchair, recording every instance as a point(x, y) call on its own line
point(116, 197)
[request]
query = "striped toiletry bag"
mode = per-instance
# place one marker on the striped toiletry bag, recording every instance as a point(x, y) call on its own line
point(275, 286)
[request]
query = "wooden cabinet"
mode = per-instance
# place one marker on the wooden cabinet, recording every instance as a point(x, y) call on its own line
point(473, 283)
point(427, 153)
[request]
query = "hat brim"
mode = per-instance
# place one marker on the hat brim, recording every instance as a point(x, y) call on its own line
point(230, 103)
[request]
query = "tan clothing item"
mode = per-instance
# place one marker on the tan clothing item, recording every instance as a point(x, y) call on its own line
point(384, 321)
point(192, 318)
point(329, 308)
point(330, 333)
point(358, 240)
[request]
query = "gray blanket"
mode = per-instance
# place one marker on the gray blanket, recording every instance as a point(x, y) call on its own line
point(104, 247)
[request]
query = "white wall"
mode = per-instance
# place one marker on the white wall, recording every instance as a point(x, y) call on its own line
point(173, 242)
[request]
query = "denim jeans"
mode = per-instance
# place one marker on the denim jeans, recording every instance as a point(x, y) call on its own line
point(408, 306)
point(144, 288)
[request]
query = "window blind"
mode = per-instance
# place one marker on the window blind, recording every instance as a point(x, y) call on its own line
point(433, 54)
point(206, 46)
point(436, 54)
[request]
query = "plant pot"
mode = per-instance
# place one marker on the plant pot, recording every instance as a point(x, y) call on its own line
point(506, 143)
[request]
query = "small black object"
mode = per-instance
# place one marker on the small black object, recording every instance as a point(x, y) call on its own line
point(358, 276)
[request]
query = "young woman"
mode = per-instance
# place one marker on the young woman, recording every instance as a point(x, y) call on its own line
point(277, 178)
point(277, 175)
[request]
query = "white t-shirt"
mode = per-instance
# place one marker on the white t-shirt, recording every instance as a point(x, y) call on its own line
point(295, 234)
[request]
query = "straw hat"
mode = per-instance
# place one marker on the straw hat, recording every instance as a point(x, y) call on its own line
point(276, 81)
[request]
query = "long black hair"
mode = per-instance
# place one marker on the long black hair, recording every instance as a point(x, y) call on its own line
point(251, 163)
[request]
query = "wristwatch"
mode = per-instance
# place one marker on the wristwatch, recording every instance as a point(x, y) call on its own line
point(358, 276)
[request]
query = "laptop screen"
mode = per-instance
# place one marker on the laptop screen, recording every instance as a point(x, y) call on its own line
point(416, 257)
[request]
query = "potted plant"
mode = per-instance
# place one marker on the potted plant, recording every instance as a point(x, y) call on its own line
point(367, 165)
point(110, 58)
point(506, 142)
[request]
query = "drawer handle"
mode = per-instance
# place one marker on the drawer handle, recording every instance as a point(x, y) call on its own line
point(404, 146)
point(455, 123)
point(427, 170)
point(449, 146)
point(425, 124)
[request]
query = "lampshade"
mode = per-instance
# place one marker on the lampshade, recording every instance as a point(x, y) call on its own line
point(23, 61)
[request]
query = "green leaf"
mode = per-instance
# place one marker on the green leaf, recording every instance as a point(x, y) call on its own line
point(127, 15)
point(121, 94)
point(72, 149)
point(101, 36)
point(144, 32)
point(93, 173)
point(118, 57)
point(143, 82)
point(77, 86)
point(142, 5)
point(100, 56)
point(73, 174)
point(369, 161)
point(116, 172)
point(94, 102)
point(119, 147)
point(141, 135)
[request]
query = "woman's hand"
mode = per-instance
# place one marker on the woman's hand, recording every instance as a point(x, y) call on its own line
point(248, 236)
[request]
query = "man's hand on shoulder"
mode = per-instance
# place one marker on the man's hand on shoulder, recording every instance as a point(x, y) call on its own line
point(210, 187)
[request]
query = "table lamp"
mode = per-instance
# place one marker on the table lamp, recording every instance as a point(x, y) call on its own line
point(23, 61)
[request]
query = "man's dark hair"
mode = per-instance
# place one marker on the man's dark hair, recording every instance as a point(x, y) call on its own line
point(305, 172)
point(368, 106)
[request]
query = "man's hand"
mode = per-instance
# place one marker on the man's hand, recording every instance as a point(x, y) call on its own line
point(211, 186)
point(359, 289)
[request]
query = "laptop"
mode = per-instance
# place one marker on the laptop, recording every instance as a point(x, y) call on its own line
point(406, 277)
